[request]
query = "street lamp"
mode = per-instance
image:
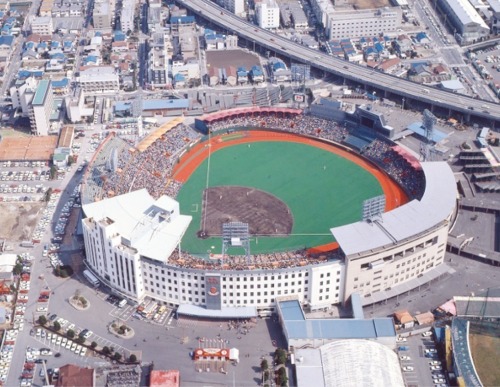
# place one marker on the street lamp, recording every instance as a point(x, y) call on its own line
point(403, 105)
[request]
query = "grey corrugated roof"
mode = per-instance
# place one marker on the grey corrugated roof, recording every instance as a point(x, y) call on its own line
point(403, 222)
point(340, 329)
point(466, 12)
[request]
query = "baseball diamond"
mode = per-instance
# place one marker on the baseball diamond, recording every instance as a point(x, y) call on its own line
point(290, 189)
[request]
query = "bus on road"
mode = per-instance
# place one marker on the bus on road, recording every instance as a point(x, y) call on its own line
point(91, 278)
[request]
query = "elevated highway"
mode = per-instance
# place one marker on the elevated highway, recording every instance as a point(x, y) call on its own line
point(467, 106)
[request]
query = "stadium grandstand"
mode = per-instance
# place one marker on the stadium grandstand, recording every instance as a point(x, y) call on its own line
point(377, 259)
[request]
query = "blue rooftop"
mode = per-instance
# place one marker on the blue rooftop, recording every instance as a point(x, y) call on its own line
point(60, 83)
point(122, 106)
point(340, 329)
point(179, 77)
point(279, 65)
point(182, 19)
point(158, 104)
point(6, 40)
point(119, 36)
point(298, 327)
point(291, 310)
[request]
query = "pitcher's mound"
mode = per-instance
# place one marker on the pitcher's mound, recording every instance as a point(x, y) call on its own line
point(264, 213)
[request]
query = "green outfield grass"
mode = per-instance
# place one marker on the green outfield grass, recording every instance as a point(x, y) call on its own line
point(321, 189)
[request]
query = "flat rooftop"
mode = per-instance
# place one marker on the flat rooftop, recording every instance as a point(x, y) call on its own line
point(41, 93)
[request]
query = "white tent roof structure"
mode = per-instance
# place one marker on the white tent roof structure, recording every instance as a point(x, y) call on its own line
point(349, 363)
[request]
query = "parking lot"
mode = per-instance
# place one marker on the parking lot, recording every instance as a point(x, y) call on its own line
point(420, 361)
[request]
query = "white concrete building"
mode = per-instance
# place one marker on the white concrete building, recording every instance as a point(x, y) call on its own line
point(42, 25)
point(41, 108)
point(120, 244)
point(127, 16)
point(357, 23)
point(268, 14)
point(102, 14)
point(235, 6)
point(102, 79)
point(75, 107)
point(160, 48)
point(406, 245)
point(130, 250)
point(23, 94)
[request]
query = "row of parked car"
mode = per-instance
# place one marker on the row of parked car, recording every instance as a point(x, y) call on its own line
point(46, 218)
point(24, 175)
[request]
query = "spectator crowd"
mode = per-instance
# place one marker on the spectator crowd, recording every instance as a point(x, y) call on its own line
point(383, 154)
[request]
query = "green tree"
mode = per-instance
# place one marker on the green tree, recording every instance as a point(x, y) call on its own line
point(18, 269)
point(93, 345)
point(280, 356)
point(53, 172)
point(83, 301)
point(48, 194)
point(106, 350)
point(42, 320)
point(70, 333)
point(132, 358)
point(80, 340)
point(57, 326)
point(283, 379)
point(117, 356)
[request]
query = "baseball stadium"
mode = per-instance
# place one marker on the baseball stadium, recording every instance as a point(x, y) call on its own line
point(265, 195)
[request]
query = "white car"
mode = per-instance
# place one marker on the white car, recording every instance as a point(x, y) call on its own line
point(408, 368)
point(401, 339)
point(430, 350)
point(42, 309)
point(435, 362)
point(88, 334)
point(436, 368)
point(404, 357)
point(427, 334)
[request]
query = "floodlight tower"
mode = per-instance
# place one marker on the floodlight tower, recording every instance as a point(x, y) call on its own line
point(426, 146)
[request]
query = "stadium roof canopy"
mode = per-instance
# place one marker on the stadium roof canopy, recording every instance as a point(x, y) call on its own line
point(153, 227)
point(404, 222)
point(348, 363)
